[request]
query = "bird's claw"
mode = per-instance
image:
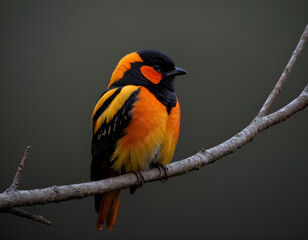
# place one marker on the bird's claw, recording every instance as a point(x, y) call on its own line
point(140, 179)
point(162, 167)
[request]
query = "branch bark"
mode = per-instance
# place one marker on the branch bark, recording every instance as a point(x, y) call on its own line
point(13, 188)
point(9, 199)
point(272, 96)
point(21, 213)
point(20, 168)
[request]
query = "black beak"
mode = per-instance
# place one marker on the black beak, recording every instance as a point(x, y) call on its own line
point(175, 72)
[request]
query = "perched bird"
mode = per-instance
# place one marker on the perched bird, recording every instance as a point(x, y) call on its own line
point(135, 123)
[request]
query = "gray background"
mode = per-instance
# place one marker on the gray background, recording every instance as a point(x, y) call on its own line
point(57, 58)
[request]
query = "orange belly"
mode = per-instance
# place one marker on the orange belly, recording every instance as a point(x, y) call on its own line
point(151, 135)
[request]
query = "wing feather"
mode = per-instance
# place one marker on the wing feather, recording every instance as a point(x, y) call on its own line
point(110, 126)
point(110, 120)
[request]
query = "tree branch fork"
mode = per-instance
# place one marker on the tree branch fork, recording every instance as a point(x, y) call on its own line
point(13, 197)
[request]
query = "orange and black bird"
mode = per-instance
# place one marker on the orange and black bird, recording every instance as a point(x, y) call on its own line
point(135, 123)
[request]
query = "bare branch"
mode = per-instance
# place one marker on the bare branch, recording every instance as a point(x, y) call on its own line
point(22, 213)
point(20, 168)
point(13, 188)
point(68, 192)
point(284, 74)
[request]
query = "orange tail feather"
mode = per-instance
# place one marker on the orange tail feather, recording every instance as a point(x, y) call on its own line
point(109, 209)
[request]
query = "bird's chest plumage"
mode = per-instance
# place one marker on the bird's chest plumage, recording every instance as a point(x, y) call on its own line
point(142, 144)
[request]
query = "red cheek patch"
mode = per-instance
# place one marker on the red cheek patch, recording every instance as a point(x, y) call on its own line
point(150, 74)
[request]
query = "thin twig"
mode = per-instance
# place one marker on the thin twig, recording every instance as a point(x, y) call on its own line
point(284, 74)
point(20, 168)
point(13, 188)
point(22, 213)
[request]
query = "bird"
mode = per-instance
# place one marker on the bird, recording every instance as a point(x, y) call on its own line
point(135, 124)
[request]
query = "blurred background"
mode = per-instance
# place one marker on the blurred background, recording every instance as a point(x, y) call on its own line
point(56, 60)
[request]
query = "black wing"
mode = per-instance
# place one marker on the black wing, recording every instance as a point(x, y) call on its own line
point(105, 139)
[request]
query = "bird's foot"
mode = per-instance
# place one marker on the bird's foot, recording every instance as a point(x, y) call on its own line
point(163, 168)
point(140, 179)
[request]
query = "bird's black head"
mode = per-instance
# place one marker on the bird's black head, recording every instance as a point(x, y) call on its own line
point(146, 68)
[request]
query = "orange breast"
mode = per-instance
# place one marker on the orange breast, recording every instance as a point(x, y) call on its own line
point(171, 135)
point(145, 134)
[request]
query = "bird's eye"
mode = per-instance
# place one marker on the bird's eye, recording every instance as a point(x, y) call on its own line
point(156, 68)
